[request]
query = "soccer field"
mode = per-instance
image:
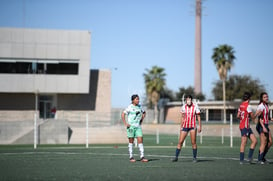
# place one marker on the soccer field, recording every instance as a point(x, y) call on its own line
point(216, 161)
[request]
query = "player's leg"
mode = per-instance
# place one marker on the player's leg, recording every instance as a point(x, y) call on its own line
point(263, 143)
point(140, 146)
point(242, 148)
point(139, 136)
point(193, 133)
point(182, 137)
point(253, 144)
point(130, 149)
point(130, 135)
point(268, 144)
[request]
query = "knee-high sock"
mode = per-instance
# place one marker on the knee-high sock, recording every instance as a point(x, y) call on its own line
point(265, 152)
point(130, 146)
point(194, 152)
point(141, 150)
point(250, 153)
point(260, 157)
point(177, 151)
point(242, 156)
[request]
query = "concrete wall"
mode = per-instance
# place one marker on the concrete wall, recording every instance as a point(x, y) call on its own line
point(21, 106)
point(99, 96)
point(104, 91)
point(48, 132)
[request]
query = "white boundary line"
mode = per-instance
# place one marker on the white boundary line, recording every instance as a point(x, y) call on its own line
point(117, 154)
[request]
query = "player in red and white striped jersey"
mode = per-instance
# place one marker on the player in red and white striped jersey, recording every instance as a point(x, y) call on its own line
point(262, 127)
point(244, 111)
point(188, 125)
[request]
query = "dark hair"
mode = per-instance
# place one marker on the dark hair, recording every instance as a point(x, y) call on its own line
point(188, 96)
point(246, 96)
point(134, 96)
point(261, 96)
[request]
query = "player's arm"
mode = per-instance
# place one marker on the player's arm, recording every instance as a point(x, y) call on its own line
point(124, 121)
point(142, 117)
point(182, 119)
point(269, 118)
point(257, 114)
point(262, 124)
point(238, 114)
point(253, 117)
point(199, 123)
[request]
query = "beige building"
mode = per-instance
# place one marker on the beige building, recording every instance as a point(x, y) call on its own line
point(48, 70)
point(210, 110)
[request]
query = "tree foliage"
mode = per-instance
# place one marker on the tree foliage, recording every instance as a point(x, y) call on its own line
point(223, 57)
point(154, 84)
point(167, 93)
point(187, 91)
point(236, 85)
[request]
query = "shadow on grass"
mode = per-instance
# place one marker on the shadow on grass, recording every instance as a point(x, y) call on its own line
point(150, 160)
point(204, 160)
point(198, 161)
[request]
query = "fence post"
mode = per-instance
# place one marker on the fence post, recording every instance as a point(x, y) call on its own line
point(184, 143)
point(157, 136)
point(222, 135)
point(35, 130)
point(207, 115)
point(87, 128)
point(231, 131)
point(201, 137)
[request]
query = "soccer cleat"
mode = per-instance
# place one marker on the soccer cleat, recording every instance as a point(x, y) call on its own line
point(144, 159)
point(132, 160)
point(249, 160)
point(245, 162)
point(266, 161)
point(175, 159)
point(194, 160)
point(260, 162)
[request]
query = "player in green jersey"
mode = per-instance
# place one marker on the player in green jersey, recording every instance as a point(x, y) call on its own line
point(135, 115)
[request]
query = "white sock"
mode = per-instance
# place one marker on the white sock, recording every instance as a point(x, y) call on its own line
point(130, 146)
point(141, 149)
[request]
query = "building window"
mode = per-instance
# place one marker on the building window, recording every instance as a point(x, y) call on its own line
point(34, 67)
point(69, 67)
point(62, 68)
point(45, 106)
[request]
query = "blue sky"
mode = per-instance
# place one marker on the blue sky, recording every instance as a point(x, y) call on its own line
point(129, 36)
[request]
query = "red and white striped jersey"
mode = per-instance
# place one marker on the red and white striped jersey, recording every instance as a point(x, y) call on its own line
point(265, 112)
point(244, 111)
point(190, 113)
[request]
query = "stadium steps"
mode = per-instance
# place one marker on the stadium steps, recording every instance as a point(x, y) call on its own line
point(27, 135)
point(10, 131)
point(49, 131)
point(105, 135)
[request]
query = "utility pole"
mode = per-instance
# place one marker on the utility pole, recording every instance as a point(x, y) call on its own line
point(197, 63)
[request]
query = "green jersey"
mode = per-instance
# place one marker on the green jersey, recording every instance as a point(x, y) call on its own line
point(134, 114)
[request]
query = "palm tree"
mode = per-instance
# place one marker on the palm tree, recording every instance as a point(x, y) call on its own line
point(154, 84)
point(223, 57)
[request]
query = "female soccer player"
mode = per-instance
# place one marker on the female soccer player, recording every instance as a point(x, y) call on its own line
point(244, 111)
point(262, 127)
point(188, 125)
point(135, 115)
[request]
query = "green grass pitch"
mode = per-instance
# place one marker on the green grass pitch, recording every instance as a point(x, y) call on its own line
point(216, 161)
